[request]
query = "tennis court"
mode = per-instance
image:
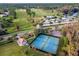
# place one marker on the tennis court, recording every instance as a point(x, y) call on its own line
point(46, 43)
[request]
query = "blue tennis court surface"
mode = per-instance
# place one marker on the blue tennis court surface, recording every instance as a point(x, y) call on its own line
point(46, 43)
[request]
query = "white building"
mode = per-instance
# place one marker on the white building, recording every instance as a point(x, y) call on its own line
point(46, 23)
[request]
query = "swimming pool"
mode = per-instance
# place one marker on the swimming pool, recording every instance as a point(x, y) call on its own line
point(46, 43)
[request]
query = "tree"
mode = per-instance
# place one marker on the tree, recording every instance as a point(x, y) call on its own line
point(2, 30)
point(7, 21)
point(64, 41)
point(13, 13)
point(28, 11)
point(31, 14)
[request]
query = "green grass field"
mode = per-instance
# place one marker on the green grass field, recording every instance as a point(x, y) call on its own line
point(21, 21)
point(12, 49)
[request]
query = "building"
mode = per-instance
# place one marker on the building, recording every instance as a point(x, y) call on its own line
point(5, 13)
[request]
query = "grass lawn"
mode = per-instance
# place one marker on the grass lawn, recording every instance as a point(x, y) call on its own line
point(44, 12)
point(12, 49)
point(21, 21)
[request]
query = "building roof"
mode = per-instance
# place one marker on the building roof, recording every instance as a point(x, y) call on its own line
point(56, 33)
